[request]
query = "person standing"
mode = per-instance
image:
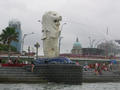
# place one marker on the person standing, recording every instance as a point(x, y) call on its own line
point(96, 68)
point(10, 61)
point(77, 63)
point(0, 62)
point(32, 68)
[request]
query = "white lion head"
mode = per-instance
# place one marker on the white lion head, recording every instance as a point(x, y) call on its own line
point(51, 19)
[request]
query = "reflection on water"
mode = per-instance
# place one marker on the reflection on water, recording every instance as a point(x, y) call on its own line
point(53, 86)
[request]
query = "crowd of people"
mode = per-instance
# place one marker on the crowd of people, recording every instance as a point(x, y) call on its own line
point(98, 67)
point(13, 61)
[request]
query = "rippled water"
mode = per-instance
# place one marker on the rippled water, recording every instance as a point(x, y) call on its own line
point(53, 86)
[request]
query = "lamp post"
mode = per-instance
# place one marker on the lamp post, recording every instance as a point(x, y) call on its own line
point(60, 37)
point(62, 27)
point(37, 45)
point(28, 51)
point(22, 46)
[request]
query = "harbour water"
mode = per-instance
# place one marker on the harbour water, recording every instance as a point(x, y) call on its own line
point(53, 86)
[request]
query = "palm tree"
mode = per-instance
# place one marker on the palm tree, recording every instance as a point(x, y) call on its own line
point(7, 36)
point(3, 36)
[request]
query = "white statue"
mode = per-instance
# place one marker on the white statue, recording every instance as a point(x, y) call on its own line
point(50, 28)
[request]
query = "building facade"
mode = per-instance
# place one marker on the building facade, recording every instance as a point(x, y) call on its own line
point(110, 48)
point(92, 51)
point(17, 25)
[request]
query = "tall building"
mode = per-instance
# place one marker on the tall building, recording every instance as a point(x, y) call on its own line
point(17, 25)
point(77, 48)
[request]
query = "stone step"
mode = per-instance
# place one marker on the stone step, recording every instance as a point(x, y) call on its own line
point(22, 79)
point(18, 69)
point(15, 70)
point(11, 67)
point(19, 75)
point(70, 74)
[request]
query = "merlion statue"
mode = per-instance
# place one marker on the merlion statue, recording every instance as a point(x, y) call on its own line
point(51, 32)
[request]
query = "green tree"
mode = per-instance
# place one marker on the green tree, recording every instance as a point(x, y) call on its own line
point(7, 36)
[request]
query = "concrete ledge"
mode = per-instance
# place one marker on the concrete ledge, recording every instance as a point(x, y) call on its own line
point(106, 76)
point(59, 73)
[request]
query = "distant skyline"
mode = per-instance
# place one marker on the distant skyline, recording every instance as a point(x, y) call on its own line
point(84, 18)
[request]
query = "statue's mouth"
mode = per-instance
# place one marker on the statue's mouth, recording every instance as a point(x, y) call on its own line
point(56, 20)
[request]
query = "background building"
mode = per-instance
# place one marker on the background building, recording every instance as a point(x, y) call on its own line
point(76, 47)
point(110, 48)
point(92, 51)
point(17, 25)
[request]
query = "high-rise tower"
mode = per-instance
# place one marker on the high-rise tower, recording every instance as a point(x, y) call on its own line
point(17, 25)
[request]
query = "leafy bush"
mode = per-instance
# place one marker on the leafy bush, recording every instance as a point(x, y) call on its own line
point(4, 61)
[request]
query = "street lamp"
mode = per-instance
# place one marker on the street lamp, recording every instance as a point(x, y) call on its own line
point(62, 27)
point(37, 45)
point(60, 38)
point(22, 46)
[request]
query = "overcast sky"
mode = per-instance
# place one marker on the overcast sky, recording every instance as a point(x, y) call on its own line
point(84, 18)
